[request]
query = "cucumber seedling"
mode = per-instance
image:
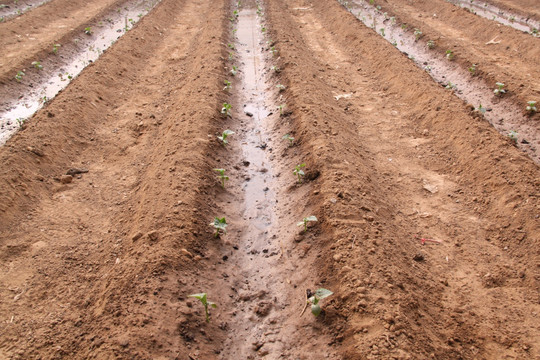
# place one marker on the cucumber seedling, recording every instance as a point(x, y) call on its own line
point(513, 135)
point(472, 70)
point(227, 85)
point(55, 48)
point(234, 70)
point(531, 107)
point(314, 298)
point(219, 224)
point(281, 107)
point(430, 44)
point(499, 91)
point(417, 34)
point(306, 220)
point(481, 109)
point(226, 109)
point(224, 135)
point(222, 176)
point(299, 172)
point(290, 138)
point(205, 302)
point(450, 55)
point(88, 30)
point(281, 87)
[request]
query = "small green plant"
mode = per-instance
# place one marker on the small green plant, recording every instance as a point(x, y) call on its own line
point(231, 56)
point(450, 86)
point(481, 109)
point(531, 107)
point(276, 69)
point(263, 29)
point(499, 90)
point(220, 224)
point(222, 176)
point(88, 30)
point(450, 55)
point(273, 50)
point(281, 107)
point(299, 172)
point(231, 46)
point(472, 70)
point(512, 19)
point(206, 304)
point(37, 65)
point(280, 87)
point(430, 44)
point(226, 109)
point(513, 135)
point(227, 85)
point(417, 34)
point(382, 32)
point(314, 298)
point(234, 70)
point(306, 220)
point(55, 48)
point(289, 138)
point(224, 135)
point(19, 76)
point(21, 122)
point(394, 42)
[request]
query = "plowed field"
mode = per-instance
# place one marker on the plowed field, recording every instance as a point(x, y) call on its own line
point(426, 218)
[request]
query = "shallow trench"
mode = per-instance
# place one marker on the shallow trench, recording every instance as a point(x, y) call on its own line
point(16, 8)
point(503, 114)
point(57, 74)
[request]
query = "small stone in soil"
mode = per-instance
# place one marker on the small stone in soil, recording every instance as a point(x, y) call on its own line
point(66, 179)
point(249, 114)
point(419, 257)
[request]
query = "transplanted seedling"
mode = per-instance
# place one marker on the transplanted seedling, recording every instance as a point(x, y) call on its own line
point(55, 48)
point(306, 220)
point(281, 107)
point(472, 69)
point(281, 87)
point(222, 176)
point(417, 34)
point(450, 55)
point(299, 172)
point(290, 138)
point(224, 136)
point(19, 76)
point(499, 91)
point(314, 298)
point(37, 65)
point(227, 85)
point(531, 107)
point(431, 44)
point(205, 302)
point(234, 70)
point(88, 30)
point(481, 109)
point(226, 109)
point(219, 224)
point(513, 135)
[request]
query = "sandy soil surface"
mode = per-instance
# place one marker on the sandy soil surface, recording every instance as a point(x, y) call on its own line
point(427, 226)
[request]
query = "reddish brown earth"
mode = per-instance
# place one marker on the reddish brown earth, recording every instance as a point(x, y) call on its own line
point(102, 266)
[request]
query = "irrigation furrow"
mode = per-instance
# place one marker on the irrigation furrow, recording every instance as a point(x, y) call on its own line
point(55, 72)
point(10, 10)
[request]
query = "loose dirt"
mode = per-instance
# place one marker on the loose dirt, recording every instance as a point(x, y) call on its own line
point(428, 218)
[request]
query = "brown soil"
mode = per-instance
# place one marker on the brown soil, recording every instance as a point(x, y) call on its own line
point(100, 265)
point(526, 8)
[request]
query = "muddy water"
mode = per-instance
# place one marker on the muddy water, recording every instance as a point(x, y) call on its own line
point(56, 78)
point(491, 12)
point(504, 115)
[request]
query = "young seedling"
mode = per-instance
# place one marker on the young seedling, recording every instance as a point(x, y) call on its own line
point(20, 121)
point(431, 44)
point(450, 86)
point(481, 109)
point(499, 91)
point(276, 68)
point(531, 107)
point(37, 65)
point(223, 137)
point(88, 30)
point(226, 109)
point(227, 86)
point(205, 302)
point(19, 76)
point(299, 172)
point(234, 70)
point(219, 224)
point(280, 87)
point(231, 46)
point(273, 50)
point(281, 107)
point(55, 48)
point(306, 220)
point(222, 176)
point(450, 55)
point(417, 34)
point(289, 138)
point(513, 135)
point(314, 298)
point(472, 69)
point(382, 32)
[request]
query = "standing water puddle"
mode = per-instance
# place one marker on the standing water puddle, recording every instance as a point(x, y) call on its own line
point(491, 12)
point(111, 28)
point(504, 115)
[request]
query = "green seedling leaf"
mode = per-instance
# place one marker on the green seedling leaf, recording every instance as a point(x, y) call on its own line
point(288, 137)
point(202, 297)
point(219, 224)
point(315, 298)
point(224, 135)
point(499, 91)
point(298, 172)
point(531, 107)
point(306, 220)
point(222, 176)
point(226, 109)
